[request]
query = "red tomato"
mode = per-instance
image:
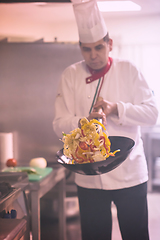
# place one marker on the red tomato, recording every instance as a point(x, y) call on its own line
point(11, 162)
point(83, 145)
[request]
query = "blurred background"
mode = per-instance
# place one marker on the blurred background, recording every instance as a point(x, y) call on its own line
point(38, 40)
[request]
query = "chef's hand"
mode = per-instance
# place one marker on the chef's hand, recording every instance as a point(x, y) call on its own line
point(101, 110)
point(107, 107)
point(98, 114)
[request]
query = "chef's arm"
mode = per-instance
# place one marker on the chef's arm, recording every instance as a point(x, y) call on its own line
point(144, 114)
point(136, 107)
point(141, 108)
point(65, 119)
point(107, 107)
point(102, 109)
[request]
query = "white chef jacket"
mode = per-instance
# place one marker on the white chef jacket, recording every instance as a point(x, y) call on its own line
point(126, 86)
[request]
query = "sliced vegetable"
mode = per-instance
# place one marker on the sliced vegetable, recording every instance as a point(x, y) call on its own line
point(29, 170)
point(88, 144)
point(83, 146)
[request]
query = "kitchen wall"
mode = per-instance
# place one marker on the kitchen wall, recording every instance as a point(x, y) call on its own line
point(29, 75)
point(29, 72)
point(135, 37)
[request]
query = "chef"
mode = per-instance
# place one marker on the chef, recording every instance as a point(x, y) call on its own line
point(127, 103)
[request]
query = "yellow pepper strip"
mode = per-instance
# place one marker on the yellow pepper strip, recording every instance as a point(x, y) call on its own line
point(96, 121)
point(118, 150)
point(113, 153)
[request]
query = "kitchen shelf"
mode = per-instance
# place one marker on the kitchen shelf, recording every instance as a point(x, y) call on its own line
point(9, 198)
point(13, 229)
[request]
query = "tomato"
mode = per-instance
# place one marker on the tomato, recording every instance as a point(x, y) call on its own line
point(83, 146)
point(11, 162)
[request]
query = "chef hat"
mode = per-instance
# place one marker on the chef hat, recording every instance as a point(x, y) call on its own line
point(91, 25)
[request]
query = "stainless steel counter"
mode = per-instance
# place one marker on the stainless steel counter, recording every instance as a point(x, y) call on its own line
point(37, 189)
point(13, 229)
point(13, 198)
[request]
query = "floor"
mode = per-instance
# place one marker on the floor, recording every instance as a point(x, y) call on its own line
point(49, 225)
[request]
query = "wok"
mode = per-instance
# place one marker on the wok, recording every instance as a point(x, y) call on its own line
point(117, 142)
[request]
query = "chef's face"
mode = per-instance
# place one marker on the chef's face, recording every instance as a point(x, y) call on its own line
point(96, 54)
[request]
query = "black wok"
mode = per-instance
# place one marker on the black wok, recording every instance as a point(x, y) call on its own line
point(117, 142)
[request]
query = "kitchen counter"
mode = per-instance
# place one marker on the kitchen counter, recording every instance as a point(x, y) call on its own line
point(13, 229)
point(14, 220)
point(37, 189)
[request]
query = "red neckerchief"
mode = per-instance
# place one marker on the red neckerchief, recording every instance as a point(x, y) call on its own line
point(99, 73)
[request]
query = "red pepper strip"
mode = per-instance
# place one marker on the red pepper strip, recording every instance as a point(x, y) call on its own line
point(79, 157)
point(82, 132)
point(91, 160)
point(92, 147)
point(83, 159)
point(76, 160)
point(104, 143)
point(111, 154)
